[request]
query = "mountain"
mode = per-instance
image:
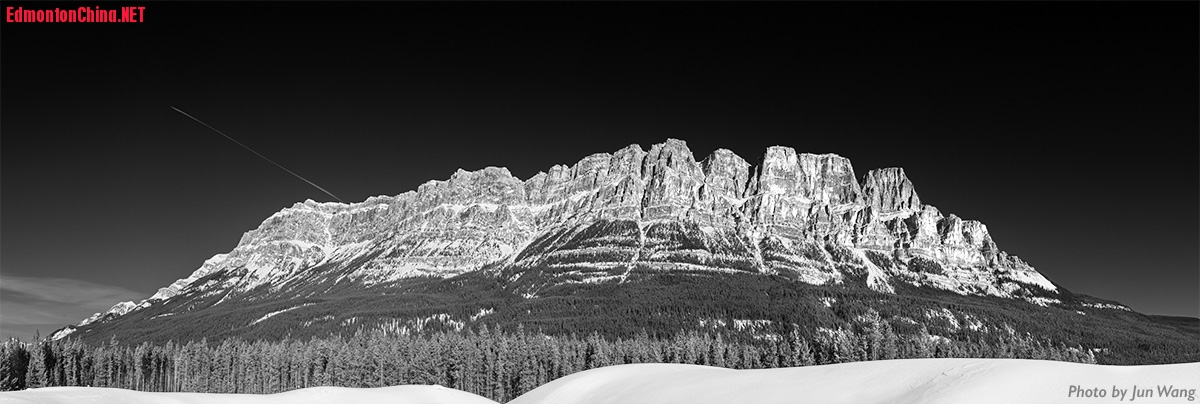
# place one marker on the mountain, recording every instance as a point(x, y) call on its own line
point(655, 239)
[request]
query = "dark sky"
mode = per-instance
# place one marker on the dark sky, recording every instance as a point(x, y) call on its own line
point(1070, 129)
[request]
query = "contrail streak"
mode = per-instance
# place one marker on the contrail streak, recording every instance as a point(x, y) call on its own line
point(259, 154)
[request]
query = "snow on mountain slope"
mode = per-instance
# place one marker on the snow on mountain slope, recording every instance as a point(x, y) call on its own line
point(312, 395)
point(117, 310)
point(917, 381)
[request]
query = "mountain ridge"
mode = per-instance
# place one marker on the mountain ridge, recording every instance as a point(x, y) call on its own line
point(804, 216)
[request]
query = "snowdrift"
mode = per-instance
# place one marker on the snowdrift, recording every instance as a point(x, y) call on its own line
point(917, 381)
point(923, 381)
point(312, 395)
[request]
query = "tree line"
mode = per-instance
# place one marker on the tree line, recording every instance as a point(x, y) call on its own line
point(495, 364)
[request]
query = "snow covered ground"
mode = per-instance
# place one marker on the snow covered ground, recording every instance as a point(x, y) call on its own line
point(923, 381)
point(312, 395)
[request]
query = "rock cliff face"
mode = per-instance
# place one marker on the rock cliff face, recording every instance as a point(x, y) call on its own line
point(807, 216)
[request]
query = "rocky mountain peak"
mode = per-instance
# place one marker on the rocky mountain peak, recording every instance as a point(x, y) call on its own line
point(726, 185)
point(673, 179)
point(889, 190)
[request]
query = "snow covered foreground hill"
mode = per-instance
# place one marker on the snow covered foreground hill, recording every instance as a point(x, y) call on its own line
point(917, 381)
point(924, 381)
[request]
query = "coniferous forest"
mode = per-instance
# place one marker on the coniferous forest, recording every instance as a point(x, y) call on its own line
point(495, 364)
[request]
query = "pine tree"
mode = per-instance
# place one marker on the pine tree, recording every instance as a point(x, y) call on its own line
point(71, 363)
point(772, 355)
point(14, 362)
point(888, 346)
point(717, 352)
point(527, 364)
point(805, 355)
point(52, 351)
point(794, 347)
point(35, 374)
point(922, 344)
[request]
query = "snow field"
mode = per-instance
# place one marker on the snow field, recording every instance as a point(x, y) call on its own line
point(916, 381)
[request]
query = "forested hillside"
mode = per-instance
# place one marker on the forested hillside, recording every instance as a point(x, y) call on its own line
point(662, 304)
point(498, 365)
